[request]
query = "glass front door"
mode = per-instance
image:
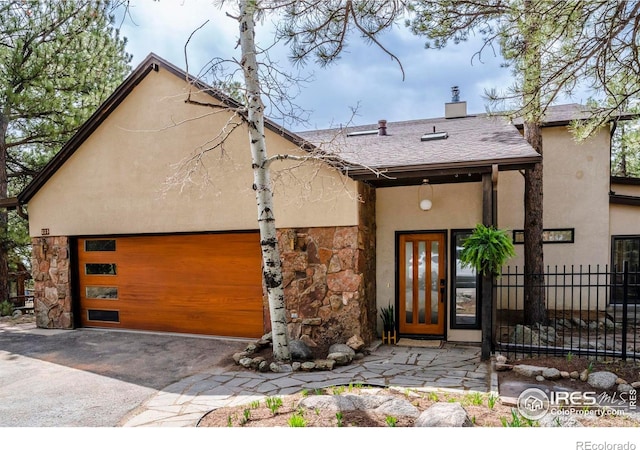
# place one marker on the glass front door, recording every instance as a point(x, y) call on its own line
point(422, 285)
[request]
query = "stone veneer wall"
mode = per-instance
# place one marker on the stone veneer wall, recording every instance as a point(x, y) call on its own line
point(50, 271)
point(329, 279)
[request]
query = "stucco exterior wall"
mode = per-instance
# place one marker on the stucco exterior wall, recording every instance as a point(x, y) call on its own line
point(397, 209)
point(117, 181)
point(576, 186)
point(576, 195)
point(625, 220)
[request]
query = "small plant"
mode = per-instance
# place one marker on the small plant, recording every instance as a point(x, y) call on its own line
point(388, 318)
point(433, 396)
point(274, 404)
point(338, 390)
point(229, 421)
point(254, 404)
point(246, 415)
point(6, 308)
point(359, 385)
point(305, 392)
point(318, 391)
point(474, 398)
point(517, 420)
point(297, 421)
point(473, 420)
point(317, 411)
point(391, 421)
point(491, 401)
point(340, 418)
point(569, 357)
point(590, 367)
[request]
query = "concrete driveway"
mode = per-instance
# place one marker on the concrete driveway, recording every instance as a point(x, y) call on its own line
point(94, 377)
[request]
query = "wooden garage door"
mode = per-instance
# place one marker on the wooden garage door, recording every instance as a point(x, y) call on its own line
point(203, 284)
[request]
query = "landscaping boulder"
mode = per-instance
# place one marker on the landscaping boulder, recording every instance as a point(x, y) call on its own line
point(342, 348)
point(300, 351)
point(341, 359)
point(356, 343)
point(602, 380)
point(527, 370)
point(444, 415)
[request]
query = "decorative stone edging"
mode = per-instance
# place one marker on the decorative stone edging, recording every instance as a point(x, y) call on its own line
point(598, 380)
point(338, 355)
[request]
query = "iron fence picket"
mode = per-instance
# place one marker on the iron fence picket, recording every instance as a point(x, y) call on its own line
point(585, 331)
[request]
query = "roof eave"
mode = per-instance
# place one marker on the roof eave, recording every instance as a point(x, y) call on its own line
point(564, 123)
point(630, 200)
point(442, 169)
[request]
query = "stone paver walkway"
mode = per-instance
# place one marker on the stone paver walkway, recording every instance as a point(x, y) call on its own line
point(453, 367)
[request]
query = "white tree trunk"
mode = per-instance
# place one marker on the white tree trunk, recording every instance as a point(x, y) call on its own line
point(272, 266)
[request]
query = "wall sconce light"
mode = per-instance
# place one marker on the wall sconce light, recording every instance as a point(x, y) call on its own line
point(425, 195)
point(291, 238)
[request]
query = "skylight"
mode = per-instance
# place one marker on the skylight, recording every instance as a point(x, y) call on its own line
point(362, 133)
point(434, 136)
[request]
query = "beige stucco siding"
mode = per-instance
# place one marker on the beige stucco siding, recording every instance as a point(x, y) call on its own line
point(397, 209)
point(625, 220)
point(576, 195)
point(116, 182)
point(576, 186)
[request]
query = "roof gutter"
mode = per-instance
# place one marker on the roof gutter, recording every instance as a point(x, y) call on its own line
point(442, 169)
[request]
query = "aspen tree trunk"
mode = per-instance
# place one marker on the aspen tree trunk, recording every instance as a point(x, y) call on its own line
point(272, 266)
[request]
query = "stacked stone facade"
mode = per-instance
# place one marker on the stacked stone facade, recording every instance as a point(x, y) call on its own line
point(329, 279)
point(50, 270)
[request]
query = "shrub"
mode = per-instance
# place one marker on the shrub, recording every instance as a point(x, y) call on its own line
point(6, 308)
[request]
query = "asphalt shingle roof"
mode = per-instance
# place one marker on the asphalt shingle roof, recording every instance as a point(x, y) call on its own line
point(470, 139)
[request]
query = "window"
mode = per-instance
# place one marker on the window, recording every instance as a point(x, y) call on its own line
point(465, 307)
point(550, 236)
point(101, 292)
point(99, 269)
point(103, 315)
point(100, 245)
point(626, 249)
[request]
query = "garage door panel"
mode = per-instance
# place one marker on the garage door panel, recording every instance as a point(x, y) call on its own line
point(205, 284)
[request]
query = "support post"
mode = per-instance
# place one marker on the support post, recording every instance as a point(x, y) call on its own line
point(488, 307)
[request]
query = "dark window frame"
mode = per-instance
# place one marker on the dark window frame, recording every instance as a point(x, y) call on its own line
point(477, 325)
point(518, 236)
point(616, 270)
point(110, 244)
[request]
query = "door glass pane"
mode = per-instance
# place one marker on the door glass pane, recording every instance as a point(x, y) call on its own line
point(465, 289)
point(422, 281)
point(409, 281)
point(435, 304)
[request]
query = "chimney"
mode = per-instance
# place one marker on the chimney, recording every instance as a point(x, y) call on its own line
point(456, 108)
point(382, 127)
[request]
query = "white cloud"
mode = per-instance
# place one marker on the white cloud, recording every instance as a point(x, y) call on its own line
point(364, 75)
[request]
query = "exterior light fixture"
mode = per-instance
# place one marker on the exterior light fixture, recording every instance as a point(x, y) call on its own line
point(425, 195)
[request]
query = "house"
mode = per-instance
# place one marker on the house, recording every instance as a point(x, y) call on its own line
point(133, 226)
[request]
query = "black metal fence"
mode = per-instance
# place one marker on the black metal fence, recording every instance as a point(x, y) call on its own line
point(590, 312)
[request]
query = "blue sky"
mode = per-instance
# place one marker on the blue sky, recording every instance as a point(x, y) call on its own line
point(365, 77)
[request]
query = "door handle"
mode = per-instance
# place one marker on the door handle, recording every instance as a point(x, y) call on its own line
point(442, 288)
